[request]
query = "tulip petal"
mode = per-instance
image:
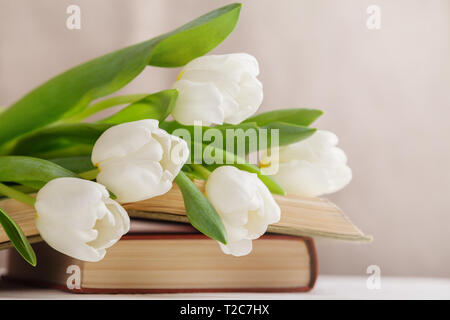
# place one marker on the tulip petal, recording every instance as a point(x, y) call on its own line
point(249, 99)
point(225, 84)
point(73, 217)
point(239, 248)
point(313, 167)
point(218, 88)
point(245, 205)
point(198, 102)
point(133, 181)
point(141, 169)
point(123, 139)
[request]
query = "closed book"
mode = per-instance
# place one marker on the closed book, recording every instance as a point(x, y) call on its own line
point(162, 257)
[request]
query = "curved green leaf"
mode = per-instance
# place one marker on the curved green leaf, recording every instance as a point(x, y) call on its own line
point(76, 139)
point(34, 185)
point(40, 143)
point(226, 158)
point(75, 164)
point(75, 150)
point(29, 171)
point(70, 92)
point(192, 174)
point(155, 106)
point(302, 117)
point(18, 239)
point(288, 133)
point(200, 212)
point(103, 105)
point(196, 38)
point(241, 134)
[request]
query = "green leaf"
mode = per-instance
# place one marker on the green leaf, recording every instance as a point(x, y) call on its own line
point(77, 139)
point(289, 133)
point(17, 238)
point(302, 117)
point(75, 164)
point(156, 106)
point(20, 188)
point(220, 157)
point(40, 143)
point(192, 174)
point(103, 105)
point(70, 92)
point(30, 171)
point(199, 210)
point(35, 185)
point(76, 150)
point(195, 38)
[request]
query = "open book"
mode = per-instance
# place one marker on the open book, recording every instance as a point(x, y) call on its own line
point(300, 216)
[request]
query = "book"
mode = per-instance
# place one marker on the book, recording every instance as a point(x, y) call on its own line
point(164, 257)
point(300, 216)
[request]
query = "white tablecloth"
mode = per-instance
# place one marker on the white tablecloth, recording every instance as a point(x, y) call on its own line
point(327, 287)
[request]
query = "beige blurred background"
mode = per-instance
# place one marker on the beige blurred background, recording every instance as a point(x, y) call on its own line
point(384, 92)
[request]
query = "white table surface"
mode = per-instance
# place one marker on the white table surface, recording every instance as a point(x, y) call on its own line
point(327, 287)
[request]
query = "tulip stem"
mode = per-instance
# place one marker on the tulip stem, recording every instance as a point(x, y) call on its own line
point(89, 175)
point(15, 194)
point(201, 170)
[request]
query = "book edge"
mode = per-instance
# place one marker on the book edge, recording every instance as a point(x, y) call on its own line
point(309, 242)
point(298, 232)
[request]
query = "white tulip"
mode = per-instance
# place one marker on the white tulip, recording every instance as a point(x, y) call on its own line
point(78, 218)
point(218, 88)
point(244, 204)
point(137, 160)
point(312, 167)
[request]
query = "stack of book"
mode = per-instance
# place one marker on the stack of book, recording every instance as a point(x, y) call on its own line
point(163, 253)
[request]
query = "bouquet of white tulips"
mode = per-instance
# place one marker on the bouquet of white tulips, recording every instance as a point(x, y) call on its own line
point(77, 173)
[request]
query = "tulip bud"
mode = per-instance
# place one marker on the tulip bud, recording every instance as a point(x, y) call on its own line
point(78, 218)
point(218, 88)
point(245, 206)
point(313, 167)
point(137, 160)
